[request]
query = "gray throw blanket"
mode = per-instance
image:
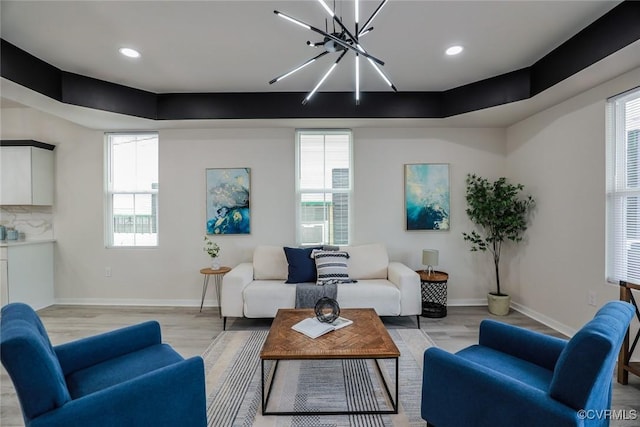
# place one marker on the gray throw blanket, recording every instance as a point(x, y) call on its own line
point(308, 294)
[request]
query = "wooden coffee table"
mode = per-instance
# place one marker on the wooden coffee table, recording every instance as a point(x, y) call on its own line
point(367, 338)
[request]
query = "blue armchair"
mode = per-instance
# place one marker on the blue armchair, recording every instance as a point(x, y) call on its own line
point(517, 377)
point(126, 377)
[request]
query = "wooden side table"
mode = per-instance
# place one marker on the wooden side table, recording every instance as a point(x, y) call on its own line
point(434, 293)
point(217, 281)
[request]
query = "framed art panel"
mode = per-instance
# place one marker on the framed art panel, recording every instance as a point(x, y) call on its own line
point(426, 196)
point(228, 210)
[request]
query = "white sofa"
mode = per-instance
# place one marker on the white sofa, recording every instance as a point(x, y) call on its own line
point(257, 289)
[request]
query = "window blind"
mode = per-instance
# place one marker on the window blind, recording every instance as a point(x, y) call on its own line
point(323, 186)
point(623, 188)
point(132, 189)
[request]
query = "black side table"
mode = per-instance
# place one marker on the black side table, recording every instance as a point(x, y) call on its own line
point(434, 293)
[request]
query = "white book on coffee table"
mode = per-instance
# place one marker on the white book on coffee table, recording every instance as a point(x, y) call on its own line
point(313, 328)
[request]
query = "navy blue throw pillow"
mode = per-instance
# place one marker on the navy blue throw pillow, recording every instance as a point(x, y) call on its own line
point(302, 268)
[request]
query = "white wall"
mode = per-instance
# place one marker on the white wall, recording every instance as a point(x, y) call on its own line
point(559, 154)
point(169, 274)
point(380, 155)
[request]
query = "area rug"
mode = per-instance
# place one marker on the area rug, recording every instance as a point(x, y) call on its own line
point(232, 364)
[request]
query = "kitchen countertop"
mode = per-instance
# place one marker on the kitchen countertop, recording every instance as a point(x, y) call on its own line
point(9, 243)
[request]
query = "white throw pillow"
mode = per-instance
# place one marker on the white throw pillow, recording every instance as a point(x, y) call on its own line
point(367, 261)
point(270, 263)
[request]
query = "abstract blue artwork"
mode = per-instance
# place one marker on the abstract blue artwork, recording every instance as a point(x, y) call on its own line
point(426, 192)
point(228, 193)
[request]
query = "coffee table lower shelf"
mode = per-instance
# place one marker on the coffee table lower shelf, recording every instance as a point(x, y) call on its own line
point(394, 401)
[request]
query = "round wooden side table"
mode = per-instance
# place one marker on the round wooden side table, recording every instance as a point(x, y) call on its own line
point(434, 293)
point(217, 281)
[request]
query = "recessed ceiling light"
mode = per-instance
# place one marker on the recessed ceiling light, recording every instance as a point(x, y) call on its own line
point(131, 53)
point(454, 50)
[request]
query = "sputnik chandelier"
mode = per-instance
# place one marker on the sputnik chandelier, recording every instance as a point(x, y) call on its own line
point(341, 42)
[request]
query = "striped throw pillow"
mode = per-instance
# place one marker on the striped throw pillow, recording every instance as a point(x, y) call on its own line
point(331, 267)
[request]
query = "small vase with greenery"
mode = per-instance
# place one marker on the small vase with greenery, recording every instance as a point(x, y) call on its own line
point(213, 250)
point(500, 214)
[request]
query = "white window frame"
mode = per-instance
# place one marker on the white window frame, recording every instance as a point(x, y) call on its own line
point(109, 193)
point(299, 191)
point(619, 246)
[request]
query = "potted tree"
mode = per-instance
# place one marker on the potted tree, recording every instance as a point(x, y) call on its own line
point(500, 214)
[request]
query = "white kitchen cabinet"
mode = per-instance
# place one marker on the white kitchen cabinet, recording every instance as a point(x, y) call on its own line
point(27, 173)
point(27, 273)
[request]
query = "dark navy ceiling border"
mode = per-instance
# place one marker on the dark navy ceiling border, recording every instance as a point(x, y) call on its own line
point(26, 143)
point(611, 32)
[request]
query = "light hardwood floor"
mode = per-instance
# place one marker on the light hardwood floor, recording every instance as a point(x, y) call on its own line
point(190, 332)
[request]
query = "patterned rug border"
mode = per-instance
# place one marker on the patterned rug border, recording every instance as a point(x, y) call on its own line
point(232, 367)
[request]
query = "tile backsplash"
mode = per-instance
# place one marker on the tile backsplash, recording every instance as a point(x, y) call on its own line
point(36, 222)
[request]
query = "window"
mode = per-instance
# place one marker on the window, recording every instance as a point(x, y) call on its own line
point(623, 187)
point(323, 186)
point(132, 190)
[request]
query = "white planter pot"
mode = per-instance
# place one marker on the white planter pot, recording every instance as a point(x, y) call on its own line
point(499, 304)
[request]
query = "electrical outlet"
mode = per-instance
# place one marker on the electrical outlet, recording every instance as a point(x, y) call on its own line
point(592, 298)
point(107, 272)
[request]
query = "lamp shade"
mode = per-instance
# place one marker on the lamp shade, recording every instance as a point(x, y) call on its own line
point(429, 257)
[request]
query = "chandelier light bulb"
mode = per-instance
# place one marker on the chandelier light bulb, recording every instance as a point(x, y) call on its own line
point(327, 8)
point(386, 80)
point(315, 89)
point(295, 69)
point(295, 21)
point(357, 79)
point(367, 31)
point(370, 20)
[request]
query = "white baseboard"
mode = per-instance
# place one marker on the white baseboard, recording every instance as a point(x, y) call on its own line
point(467, 302)
point(545, 320)
point(133, 302)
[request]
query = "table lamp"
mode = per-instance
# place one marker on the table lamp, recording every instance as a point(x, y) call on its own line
point(429, 258)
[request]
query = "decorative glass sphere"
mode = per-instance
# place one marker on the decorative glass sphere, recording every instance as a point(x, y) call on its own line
point(327, 310)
